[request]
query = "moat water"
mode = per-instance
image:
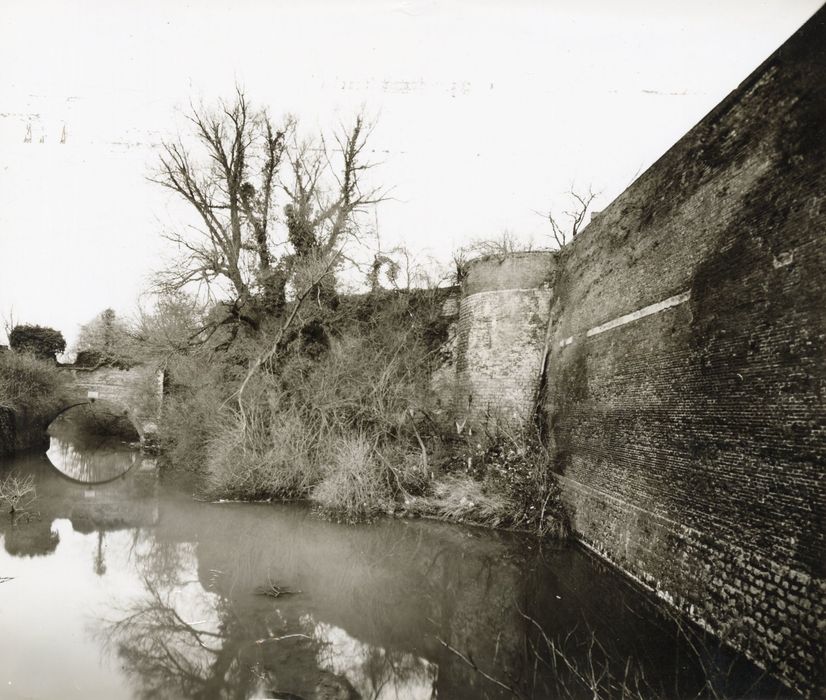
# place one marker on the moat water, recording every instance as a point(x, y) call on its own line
point(118, 583)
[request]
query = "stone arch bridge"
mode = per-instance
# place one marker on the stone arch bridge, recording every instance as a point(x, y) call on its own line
point(136, 393)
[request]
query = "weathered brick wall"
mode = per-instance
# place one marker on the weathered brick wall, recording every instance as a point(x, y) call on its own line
point(690, 438)
point(500, 337)
point(138, 391)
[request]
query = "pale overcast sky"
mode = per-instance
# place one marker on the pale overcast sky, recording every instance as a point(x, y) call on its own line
point(487, 111)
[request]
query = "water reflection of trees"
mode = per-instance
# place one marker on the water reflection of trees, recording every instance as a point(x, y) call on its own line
point(93, 460)
point(182, 639)
point(185, 642)
point(393, 587)
point(169, 656)
point(29, 536)
point(376, 602)
point(377, 672)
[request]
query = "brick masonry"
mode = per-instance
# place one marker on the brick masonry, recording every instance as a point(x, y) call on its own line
point(500, 338)
point(137, 392)
point(686, 375)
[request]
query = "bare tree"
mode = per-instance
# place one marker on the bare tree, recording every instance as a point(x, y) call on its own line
point(232, 203)
point(321, 216)
point(235, 184)
point(16, 492)
point(565, 230)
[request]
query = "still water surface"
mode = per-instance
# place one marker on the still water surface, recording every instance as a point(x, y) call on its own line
point(124, 586)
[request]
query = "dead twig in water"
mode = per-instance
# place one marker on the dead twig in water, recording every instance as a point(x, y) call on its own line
point(278, 639)
point(16, 492)
point(274, 591)
point(470, 662)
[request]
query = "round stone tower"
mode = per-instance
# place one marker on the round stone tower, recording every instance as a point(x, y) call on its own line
point(500, 344)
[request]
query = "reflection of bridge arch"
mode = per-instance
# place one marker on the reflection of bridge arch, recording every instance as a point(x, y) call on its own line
point(94, 463)
point(137, 391)
point(81, 482)
point(129, 501)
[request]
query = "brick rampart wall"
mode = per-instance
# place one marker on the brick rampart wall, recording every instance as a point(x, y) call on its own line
point(686, 385)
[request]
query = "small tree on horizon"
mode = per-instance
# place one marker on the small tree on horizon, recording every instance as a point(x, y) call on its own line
point(106, 339)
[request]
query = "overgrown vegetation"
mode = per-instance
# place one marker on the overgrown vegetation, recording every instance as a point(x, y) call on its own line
point(341, 411)
point(29, 385)
point(343, 414)
point(281, 386)
point(338, 410)
point(499, 480)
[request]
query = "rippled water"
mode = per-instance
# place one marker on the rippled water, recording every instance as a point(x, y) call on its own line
point(131, 588)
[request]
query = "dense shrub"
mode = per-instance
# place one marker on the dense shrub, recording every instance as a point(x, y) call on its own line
point(497, 480)
point(267, 452)
point(40, 341)
point(514, 464)
point(308, 416)
point(191, 415)
point(461, 498)
point(355, 485)
point(28, 384)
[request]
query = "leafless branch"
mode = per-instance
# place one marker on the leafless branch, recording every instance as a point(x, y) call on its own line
point(564, 232)
point(514, 691)
point(17, 492)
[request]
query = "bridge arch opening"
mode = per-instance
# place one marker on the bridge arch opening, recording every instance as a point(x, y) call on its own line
point(95, 419)
point(92, 442)
point(116, 398)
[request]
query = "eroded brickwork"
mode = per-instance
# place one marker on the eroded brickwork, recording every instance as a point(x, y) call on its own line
point(500, 338)
point(691, 442)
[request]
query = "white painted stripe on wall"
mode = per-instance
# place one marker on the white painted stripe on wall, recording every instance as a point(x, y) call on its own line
point(676, 300)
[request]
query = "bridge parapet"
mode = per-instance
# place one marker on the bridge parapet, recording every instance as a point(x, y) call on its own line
point(137, 391)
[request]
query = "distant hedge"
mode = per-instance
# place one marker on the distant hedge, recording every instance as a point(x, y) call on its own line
point(41, 341)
